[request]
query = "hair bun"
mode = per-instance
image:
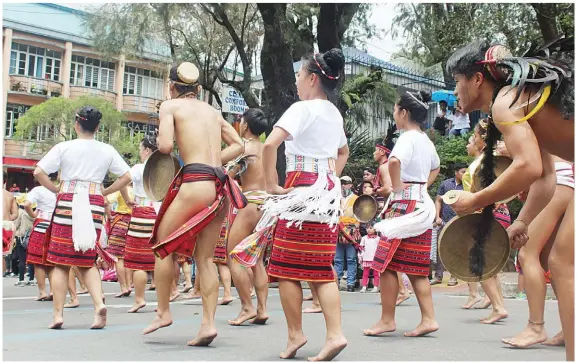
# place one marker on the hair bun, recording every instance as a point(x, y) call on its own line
point(425, 96)
point(335, 60)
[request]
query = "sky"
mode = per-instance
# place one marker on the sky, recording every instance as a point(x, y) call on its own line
point(382, 17)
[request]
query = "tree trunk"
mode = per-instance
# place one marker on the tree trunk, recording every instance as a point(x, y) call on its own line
point(547, 19)
point(277, 71)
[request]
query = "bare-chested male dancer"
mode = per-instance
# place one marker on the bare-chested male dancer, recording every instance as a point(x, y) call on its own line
point(253, 124)
point(191, 215)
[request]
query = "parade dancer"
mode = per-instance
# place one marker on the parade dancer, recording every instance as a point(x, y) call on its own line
point(138, 255)
point(45, 201)
point(542, 232)
point(77, 220)
point(492, 286)
point(192, 212)
point(304, 247)
point(120, 218)
point(406, 229)
point(253, 124)
point(9, 216)
point(527, 97)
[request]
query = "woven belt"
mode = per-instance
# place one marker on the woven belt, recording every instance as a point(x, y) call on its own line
point(70, 187)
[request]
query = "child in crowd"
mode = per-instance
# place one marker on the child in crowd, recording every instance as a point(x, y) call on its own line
point(369, 244)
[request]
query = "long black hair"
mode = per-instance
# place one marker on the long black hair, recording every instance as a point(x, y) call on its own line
point(149, 142)
point(329, 66)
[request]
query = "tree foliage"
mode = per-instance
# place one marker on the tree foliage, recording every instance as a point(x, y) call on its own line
point(434, 31)
point(58, 115)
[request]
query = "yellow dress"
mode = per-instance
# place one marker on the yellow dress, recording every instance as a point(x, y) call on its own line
point(121, 206)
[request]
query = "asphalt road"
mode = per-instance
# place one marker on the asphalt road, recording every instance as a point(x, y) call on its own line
point(461, 336)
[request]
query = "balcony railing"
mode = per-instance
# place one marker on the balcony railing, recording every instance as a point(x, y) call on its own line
point(35, 86)
point(77, 91)
point(25, 148)
point(140, 104)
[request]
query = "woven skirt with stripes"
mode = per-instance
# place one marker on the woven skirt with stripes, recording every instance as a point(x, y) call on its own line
point(303, 254)
point(118, 231)
point(502, 215)
point(138, 254)
point(61, 248)
point(411, 256)
point(37, 251)
point(220, 255)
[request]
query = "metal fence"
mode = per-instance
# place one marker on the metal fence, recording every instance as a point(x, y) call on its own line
point(377, 113)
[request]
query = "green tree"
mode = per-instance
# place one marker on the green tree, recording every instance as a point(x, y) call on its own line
point(434, 31)
point(58, 116)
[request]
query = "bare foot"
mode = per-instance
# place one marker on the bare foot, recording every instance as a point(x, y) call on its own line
point(136, 307)
point(72, 304)
point(402, 298)
point(379, 328)
point(160, 321)
point(56, 323)
point(308, 298)
point(99, 319)
point(204, 337)
point(495, 317)
point(225, 301)
point(531, 335)
point(424, 328)
point(243, 316)
point(313, 309)
point(292, 346)
point(472, 301)
point(193, 295)
point(484, 304)
point(331, 349)
point(557, 341)
point(260, 319)
point(42, 297)
point(174, 296)
point(122, 293)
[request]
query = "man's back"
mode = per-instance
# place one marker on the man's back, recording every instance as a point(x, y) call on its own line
point(197, 131)
point(253, 179)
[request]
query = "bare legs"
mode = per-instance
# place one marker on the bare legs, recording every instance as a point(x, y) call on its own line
point(60, 278)
point(122, 278)
point(139, 278)
point(389, 292)
point(74, 303)
point(542, 233)
point(226, 279)
point(40, 272)
point(329, 298)
point(316, 306)
point(187, 270)
point(492, 288)
point(561, 262)
point(404, 294)
point(474, 297)
point(243, 226)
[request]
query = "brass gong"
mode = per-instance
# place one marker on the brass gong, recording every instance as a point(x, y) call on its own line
point(159, 171)
point(365, 208)
point(456, 239)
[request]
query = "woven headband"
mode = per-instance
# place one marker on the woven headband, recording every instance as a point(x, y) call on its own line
point(384, 149)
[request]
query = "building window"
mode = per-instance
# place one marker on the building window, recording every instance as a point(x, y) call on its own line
point(13, 113)
point(143, 82)
point(93, 73)
point(31, 61)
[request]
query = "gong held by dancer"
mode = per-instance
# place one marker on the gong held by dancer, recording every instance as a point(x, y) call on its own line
point(527, 97)
point(192, 212)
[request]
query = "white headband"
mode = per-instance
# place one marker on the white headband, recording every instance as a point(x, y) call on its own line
point(419, 101)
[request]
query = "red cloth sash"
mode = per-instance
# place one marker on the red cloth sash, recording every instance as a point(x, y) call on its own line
point(183, 240)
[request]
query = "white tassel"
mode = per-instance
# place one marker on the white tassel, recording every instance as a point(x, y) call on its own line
point(302, 203)
point(83, 231)
point(412, 224)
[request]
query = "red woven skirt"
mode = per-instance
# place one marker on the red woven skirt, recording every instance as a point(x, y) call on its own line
point(501, 214)
point(138, 254)
point(37, 251)
point(61, 248)
point(6, 241)
point(412, 255)
point(117, 237)
point(220, 255)
point(306, 253)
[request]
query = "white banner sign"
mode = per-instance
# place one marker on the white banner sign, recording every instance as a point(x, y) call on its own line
point(232, 101)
